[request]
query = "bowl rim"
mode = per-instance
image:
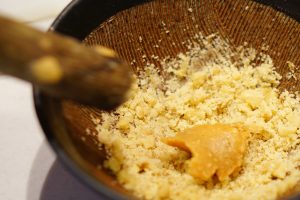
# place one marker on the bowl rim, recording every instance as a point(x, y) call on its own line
point(68, 23)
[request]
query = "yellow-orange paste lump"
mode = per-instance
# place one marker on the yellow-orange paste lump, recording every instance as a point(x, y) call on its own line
point(216, 149)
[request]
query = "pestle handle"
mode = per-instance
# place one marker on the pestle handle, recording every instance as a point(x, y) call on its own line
point(63, 67)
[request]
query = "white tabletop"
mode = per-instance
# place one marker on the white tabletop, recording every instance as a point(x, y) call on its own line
point(29, 169)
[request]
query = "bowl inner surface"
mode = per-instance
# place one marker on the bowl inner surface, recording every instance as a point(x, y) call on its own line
point(137, 31)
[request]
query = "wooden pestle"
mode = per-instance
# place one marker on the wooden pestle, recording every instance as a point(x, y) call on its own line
point(62, 66)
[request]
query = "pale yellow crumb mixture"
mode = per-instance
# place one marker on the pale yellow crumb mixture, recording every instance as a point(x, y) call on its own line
point(207, 85)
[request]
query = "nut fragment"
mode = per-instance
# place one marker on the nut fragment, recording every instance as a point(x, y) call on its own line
point(104, 51)
point(46, 70)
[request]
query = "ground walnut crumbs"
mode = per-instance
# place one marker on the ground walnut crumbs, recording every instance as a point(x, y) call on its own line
point(209, 84)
